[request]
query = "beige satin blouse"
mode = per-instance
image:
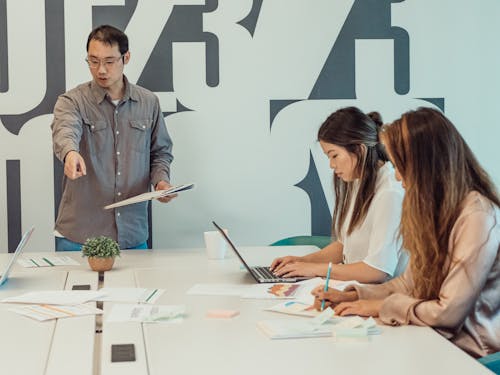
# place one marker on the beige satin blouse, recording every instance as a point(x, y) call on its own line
point(467, 309)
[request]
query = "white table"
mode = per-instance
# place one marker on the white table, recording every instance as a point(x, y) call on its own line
point(198, 344)
point(63, 346)
point(236, 346)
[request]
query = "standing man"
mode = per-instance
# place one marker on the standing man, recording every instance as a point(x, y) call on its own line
point(112, 139)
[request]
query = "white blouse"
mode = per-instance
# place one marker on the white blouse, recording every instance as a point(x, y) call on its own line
point(375, 241)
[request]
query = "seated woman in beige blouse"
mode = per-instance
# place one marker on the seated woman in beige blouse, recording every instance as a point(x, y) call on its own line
point(450, 226)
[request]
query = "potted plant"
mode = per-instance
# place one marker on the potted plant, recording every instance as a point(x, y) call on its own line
point(101, 252)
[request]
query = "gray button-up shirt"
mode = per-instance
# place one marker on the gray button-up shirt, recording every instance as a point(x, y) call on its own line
point(126, 149)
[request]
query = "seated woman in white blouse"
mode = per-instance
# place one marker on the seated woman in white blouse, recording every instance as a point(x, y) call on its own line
point(367, 209)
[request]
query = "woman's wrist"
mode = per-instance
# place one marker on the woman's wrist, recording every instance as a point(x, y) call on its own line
point(350, 296)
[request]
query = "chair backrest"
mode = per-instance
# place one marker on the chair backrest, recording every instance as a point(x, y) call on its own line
point(492, 362)
point(319, 241)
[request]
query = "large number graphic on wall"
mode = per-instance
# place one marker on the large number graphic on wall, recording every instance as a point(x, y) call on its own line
point(239, 44)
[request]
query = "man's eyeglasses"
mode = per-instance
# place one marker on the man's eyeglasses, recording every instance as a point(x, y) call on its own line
point(108, 62)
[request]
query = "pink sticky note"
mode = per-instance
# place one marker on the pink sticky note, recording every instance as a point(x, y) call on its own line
point(222, 314)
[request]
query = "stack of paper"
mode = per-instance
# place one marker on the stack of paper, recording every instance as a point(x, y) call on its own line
point(355, 327)
point(319, 326)
point(45, 305)
point(324, 324)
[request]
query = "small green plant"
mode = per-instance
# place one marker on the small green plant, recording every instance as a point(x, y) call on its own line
point(100, 247)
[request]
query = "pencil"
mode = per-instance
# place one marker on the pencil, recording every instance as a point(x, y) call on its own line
point(326, 284)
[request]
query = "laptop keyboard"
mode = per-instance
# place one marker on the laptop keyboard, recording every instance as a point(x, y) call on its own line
point(265, 273)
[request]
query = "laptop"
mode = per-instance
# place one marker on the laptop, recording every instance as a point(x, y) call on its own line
point(24, 240)
point(259, 273)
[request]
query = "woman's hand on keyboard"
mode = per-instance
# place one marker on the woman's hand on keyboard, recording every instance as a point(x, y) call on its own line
point(279, 263)
point(298, 268)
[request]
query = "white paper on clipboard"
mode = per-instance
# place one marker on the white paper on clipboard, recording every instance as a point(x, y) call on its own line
point(150, 195)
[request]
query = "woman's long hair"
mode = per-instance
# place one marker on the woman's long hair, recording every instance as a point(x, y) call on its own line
point(438, 170)
point(357, 132)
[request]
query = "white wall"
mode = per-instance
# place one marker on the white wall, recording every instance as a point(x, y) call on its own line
point(245, 170)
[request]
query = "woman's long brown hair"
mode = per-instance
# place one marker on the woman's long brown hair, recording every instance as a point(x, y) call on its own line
point(357, 132)
point(438, 170)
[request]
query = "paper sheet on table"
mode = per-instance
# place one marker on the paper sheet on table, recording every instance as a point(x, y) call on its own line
point(300, 290)
point(150, 195)
point(354, 328)
point(294, 308)
point(350, 327)
point(258, 291)
point(146, 313)
point(62, 297)
point(320, 326)
point(218, 289)
point(324, 324)
point(48, 312)
point(46, 261)
point(143, 295)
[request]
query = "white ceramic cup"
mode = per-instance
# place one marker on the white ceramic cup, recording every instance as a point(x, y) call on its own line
point(216, 245)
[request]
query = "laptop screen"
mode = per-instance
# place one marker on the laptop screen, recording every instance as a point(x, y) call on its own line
point(231, 245)
point(24, 240)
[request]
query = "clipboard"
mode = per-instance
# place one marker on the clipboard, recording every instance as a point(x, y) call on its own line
point(150, 195)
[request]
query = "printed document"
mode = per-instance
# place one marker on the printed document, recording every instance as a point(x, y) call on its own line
point(320, 326)
point(138, 295)
point(254, 291)
point(49, 312)
point(147, 313)
point(294, 308)
point(62, 297)
point(46, 261)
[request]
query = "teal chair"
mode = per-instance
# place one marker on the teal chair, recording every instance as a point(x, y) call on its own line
point(320, 241)
point(492, 362)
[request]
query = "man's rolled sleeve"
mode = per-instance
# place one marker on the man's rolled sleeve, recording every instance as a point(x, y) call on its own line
point(66, 128)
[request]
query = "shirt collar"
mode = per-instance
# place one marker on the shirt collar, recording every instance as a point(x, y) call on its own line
point(100, 94)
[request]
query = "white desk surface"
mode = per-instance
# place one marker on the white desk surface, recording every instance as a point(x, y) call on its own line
point(236, 346)
point(55, 347)
point(198, 344)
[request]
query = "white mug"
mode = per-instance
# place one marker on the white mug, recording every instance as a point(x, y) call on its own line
point(215, 244)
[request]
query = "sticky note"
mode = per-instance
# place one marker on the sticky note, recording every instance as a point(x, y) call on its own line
point(222, 314)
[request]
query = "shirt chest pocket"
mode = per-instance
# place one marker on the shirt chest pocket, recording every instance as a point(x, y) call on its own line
point(97, 134)
point(140, 135)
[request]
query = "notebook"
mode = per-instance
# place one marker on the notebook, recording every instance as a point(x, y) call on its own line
point(259, 273)
point(24, 240)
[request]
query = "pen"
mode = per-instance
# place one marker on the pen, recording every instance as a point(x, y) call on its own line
point(36, 264)
point(151, 295)
point(326, 284)
point(48, 261)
